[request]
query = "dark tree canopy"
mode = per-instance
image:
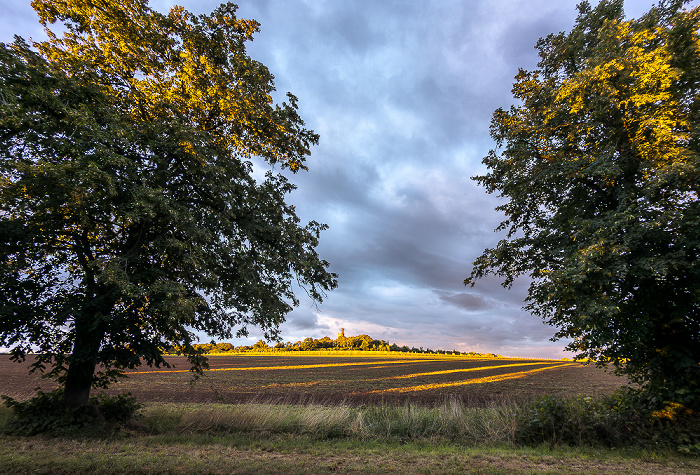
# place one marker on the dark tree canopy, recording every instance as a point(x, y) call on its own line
point(129, 218)
point(600, 174)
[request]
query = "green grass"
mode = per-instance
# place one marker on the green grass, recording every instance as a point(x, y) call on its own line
point(290, 439)
point(261, 452)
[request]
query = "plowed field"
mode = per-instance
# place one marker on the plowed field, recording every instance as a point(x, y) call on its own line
point(344, 379)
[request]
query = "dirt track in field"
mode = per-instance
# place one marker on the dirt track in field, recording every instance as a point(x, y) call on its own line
point(344, 379)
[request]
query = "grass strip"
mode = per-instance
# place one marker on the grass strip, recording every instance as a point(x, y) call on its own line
point(268, 438)
point(285, 454)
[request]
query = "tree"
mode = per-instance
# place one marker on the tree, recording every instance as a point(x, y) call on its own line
point(260, 346)
point(129, 217)
point(599, 169)
point(308, 344)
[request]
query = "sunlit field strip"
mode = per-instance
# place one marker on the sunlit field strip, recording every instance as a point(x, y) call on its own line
point(486, 379)
point(414, 375)
point(267, 368)
point(460, 370)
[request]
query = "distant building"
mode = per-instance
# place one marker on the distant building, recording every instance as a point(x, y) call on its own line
point(342, 333)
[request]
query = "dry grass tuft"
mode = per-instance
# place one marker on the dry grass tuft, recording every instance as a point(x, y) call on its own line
point(450, 420)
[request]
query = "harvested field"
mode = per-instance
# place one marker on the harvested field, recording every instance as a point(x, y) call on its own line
point(330, 379)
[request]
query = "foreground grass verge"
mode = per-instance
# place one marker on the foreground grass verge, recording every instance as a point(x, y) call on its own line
point(265, 438)
point(253, 453)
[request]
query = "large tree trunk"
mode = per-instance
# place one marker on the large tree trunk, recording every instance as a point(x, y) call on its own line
point(78, 382)
point(83, 360)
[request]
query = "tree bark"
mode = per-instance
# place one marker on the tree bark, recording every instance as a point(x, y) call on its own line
point(83, 360)
point(78, 382)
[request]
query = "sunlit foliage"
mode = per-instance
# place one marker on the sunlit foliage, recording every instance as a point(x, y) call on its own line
point(599, 170)
point(342, 343)
point(129, 216)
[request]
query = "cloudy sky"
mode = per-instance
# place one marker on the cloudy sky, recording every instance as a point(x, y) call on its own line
point(401, 93)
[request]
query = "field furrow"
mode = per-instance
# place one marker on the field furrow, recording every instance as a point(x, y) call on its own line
point(342, 379)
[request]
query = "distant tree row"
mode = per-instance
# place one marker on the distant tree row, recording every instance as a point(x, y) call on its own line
point(356, 343)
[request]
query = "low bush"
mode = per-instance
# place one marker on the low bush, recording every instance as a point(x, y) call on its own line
point(626, 418)
point(571, 421)
point(47, 413)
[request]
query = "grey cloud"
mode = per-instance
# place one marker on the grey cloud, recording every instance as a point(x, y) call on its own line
point(302, 320)
point(465, 301)
point(401, 94)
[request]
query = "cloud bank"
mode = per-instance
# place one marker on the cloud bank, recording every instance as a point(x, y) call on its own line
point(401, 94)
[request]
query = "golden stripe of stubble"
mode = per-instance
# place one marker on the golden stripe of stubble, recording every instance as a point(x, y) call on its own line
point(486, 379)
point(414, 375)
point(268, 368)
point(460, 370)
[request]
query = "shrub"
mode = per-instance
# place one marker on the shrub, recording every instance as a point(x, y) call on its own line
point(570, 421)
point(626, 418)
point(47, 413)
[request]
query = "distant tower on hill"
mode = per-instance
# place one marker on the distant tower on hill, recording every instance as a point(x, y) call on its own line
point(342, 333)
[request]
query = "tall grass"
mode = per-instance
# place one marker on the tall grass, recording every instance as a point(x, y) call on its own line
point(449, 420)
point(620, 420)
point(617, 421)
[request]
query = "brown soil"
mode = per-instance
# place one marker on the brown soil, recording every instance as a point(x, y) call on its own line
point(342, 379)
